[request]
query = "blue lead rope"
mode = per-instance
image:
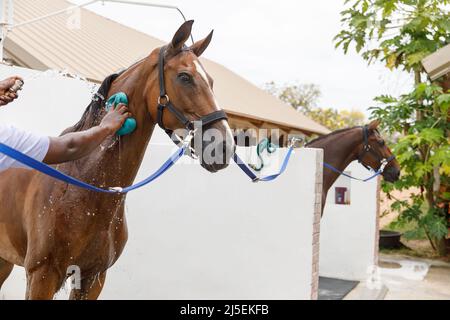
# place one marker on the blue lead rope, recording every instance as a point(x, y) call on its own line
point(50, 171)
point(254, 177)
point(329, 166)
point(46, 169)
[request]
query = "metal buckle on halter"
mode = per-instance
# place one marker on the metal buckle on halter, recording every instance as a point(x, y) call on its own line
point(294, 140)
point(187, 143)
point(384, 163)
point(166, 98)
point(189, 137)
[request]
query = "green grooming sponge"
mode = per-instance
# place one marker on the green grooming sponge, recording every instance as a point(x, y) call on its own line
point(130, 124)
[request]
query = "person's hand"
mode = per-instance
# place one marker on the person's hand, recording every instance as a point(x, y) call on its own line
point(115, 118)
point(7, 96)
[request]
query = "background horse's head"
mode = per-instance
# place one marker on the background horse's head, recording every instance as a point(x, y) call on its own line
point(189, 90)
point(374, 149)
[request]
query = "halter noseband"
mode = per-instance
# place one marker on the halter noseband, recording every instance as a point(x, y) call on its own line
point(165, 103)
point(368, 149)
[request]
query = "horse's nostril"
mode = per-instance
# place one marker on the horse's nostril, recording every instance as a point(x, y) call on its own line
point(395, 174)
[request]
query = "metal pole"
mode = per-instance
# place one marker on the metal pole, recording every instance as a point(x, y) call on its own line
point(156, 5)
point(10, 12)
point(7, 23)
point(138, 3)
point(52, 14)
point(3, 27)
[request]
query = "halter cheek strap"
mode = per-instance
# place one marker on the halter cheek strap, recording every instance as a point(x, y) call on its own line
point(165, 103)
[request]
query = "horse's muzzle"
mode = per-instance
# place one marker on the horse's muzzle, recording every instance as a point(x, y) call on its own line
point(391, 174)
point(217, 147)
point(220, 157)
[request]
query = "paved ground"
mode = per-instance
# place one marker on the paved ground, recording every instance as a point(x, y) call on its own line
point(404, 278)
point(335, 289)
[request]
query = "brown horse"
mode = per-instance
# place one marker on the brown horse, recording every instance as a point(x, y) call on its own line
point(364, 144)
point(48, 226)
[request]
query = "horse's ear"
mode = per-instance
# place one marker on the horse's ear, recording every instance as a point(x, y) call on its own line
point(180, 38)
point(374, 124)
point(200, 46)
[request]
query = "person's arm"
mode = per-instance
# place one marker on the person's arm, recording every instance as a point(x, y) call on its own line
point(76, 145)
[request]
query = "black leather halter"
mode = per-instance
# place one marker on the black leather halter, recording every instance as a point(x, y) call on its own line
point(368, 149)
point(165, 103)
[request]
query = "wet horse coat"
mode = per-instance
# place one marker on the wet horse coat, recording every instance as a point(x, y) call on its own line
point(48, 226)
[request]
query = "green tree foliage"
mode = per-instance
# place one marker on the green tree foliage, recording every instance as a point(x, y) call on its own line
point(423, 152)
point(304, 97)
point(401, 33)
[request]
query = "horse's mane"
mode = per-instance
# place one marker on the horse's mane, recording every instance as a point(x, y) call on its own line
point(91, 115)
point(330, 135)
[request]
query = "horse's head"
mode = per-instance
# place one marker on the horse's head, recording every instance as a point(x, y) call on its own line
point(374, 153)
point(186, 100)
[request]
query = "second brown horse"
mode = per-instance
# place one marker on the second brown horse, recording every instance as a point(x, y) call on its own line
point(342, 147)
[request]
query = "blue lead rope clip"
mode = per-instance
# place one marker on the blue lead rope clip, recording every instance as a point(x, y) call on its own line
point(130, 124)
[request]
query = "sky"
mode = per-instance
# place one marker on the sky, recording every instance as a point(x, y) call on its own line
point(286, 41)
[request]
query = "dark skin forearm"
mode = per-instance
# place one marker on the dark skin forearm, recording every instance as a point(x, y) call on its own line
point(75, 145)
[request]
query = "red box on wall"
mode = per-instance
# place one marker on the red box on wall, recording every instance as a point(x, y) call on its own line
point(340, 195)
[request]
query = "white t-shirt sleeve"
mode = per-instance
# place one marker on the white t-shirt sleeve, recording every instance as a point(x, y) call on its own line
point(33, 145)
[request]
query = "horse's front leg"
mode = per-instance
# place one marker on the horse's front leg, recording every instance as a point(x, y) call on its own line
point(43, 283)
point(5, 270)
point(90, 289)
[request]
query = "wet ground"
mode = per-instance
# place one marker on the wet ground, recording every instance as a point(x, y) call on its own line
point(415, 280)
point(405, 278)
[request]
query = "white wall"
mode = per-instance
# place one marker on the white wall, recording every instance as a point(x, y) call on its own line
point(348, 232)
point(193, 235)
point(219, 236)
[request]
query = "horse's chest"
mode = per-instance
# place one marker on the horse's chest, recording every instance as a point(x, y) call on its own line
point(97, 245)
point(101, 251)
point(87, 232)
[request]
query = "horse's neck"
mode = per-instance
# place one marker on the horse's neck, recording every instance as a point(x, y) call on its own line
point(339, 151)
point(121, 158)
point(117, 160)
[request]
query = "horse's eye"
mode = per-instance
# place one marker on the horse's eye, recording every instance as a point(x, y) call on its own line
point(381, 143)
point(185, 77)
